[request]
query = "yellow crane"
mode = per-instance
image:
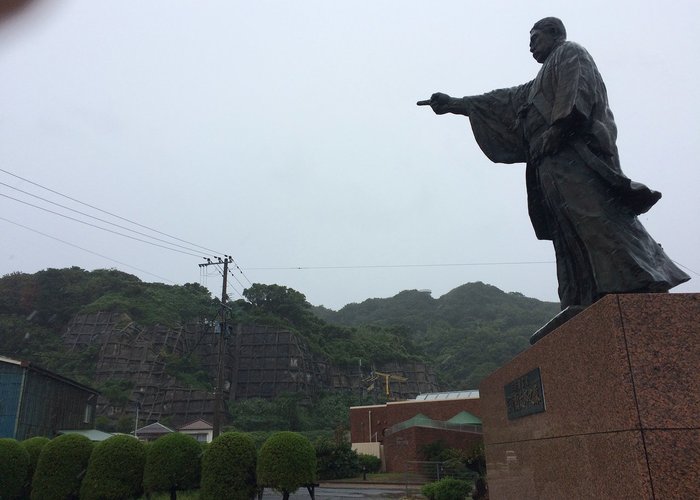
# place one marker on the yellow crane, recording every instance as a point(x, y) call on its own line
point(387, 377)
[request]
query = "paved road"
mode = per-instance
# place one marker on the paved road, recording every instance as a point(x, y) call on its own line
point(326, 492)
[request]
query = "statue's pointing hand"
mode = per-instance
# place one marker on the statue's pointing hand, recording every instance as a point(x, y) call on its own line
point(441, 103)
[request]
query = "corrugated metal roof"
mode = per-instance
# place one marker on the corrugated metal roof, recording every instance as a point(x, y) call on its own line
point(10, 361)
point(29, 365)
point(91, 434)
point(432, 396)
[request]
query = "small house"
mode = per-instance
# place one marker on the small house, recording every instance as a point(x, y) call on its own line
point(153, 431)
point(199, 429)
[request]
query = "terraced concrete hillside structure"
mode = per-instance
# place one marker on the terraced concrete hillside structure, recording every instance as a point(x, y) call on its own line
point(259, 362)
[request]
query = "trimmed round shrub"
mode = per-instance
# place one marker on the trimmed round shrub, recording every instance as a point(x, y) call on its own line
point(173, 462)
point(61, 466)
point(447, 489)
point(14, 467)
point(115, 470)
point(287, 461)
point(228, 468)
point(33, 446)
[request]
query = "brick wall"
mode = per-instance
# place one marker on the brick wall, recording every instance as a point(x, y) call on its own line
point(385, 416)
point(405, 446)
point(364, 419)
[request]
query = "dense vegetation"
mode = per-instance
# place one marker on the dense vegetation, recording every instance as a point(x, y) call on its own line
point(172, 464)
point(463, 335)
point(14, 468)
point(447, 489)
point(231, 466)
point(115, 470)
point(36, 308)
point(286, 462)
point(33, 446)
point(295, 412)
point(228, 468)
point(62, 464)
point(336, 459)
point(284, 307)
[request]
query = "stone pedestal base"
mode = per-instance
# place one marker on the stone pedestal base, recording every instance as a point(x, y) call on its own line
point(618, 415)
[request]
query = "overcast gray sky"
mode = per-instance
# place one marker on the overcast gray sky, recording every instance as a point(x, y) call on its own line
point(286, 135)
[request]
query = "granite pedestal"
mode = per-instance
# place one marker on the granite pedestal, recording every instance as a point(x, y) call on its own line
point(618, 415)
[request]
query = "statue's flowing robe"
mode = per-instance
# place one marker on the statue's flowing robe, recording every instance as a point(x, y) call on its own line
point(578, 196)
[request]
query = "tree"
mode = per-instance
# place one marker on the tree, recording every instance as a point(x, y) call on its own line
point(255, 414)
point(14, 467)
point(370, 463)
point(173, 462)
point(115, 470)
point(62, 464)
point(287, 406)
point(279, 300)
point(286, 462)
point(228, 468)
point(336, 460)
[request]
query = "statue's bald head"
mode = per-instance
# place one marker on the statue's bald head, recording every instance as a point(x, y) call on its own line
point(553, 26)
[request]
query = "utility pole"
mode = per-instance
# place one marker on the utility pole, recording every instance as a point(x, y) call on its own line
point(219, 391)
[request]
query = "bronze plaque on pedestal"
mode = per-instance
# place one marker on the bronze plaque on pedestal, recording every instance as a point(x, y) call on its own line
point(525, 395)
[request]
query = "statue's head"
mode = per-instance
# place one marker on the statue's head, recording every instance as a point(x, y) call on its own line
point(545, 36)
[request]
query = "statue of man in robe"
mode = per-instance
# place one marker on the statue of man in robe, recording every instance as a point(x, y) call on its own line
point(560, 125)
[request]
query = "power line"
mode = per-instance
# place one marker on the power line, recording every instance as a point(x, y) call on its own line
point(96, 218)
point(98, 227)
point(231, 287)
point(104, 256)
point(234, 277)
point(242, 273)
point(85, 249)
point(214, 252)
point(396, 266)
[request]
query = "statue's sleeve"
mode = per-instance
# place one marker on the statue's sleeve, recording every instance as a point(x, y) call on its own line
point(496, 123)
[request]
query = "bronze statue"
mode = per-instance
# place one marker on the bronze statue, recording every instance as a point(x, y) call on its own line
point(560, 125)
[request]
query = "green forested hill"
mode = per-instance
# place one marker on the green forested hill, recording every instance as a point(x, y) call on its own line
point(35, 310)
point(465, 334)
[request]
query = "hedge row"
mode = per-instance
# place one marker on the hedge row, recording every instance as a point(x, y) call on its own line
point(121, 467)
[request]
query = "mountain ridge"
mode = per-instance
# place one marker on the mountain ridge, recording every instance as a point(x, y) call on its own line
point(465, 333)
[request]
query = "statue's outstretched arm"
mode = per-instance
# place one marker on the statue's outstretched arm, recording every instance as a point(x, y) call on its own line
point(443, 103)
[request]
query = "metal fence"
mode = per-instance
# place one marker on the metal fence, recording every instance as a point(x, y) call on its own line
point(417, 473)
